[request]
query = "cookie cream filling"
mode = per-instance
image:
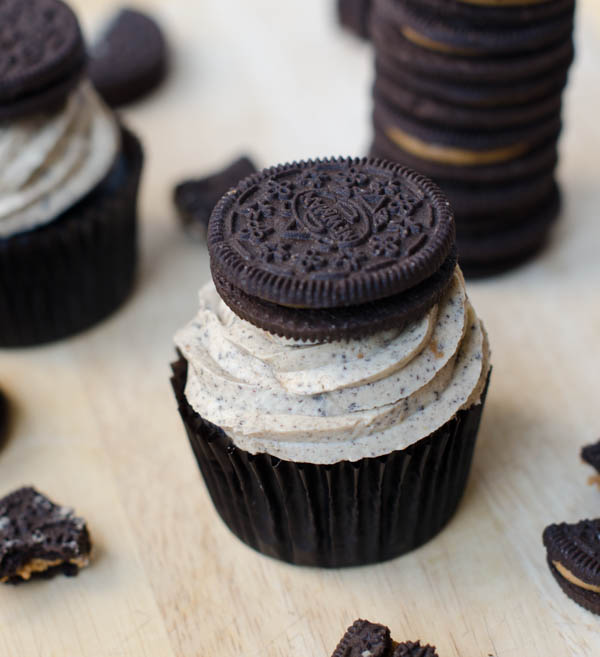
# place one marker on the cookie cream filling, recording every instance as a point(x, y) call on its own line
point(328, 402)
point(48, 162)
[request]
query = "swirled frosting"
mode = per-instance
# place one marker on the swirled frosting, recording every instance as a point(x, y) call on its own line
point(328, 402)
point(50, 161)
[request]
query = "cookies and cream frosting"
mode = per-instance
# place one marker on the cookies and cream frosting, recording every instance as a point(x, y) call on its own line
point(334, 401)
point(48, 162)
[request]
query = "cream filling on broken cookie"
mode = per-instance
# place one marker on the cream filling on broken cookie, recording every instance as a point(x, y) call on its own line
point(41, 565)
point(326, 402)
point(568, 575)
point(48, 162)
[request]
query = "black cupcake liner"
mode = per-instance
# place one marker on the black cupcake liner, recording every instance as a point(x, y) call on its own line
point(345, 514)
point(67, 275)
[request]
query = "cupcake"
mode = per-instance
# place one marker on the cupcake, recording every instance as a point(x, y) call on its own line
point(333, 379)
point(69, 175)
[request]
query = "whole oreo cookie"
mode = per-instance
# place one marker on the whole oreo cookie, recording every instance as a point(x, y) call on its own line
point(506, 13)
point(573, 553)
point(330, 233)
point(472, 93)
point(42, 55)
point(130, 60)
point(350, 322)
point(442, 114)
point(405, 54)
point(435, 30)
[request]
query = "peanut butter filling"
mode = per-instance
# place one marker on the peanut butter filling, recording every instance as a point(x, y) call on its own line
point(40, 565)
point(430, 44)
point(568, 575)
point(451, 155)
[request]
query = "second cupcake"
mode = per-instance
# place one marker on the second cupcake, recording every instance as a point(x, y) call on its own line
point(333, 380)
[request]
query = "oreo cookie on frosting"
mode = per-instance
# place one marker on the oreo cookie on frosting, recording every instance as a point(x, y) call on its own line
point(336, 344)
point(573, 554)
point(69, 173)
point(329, 235)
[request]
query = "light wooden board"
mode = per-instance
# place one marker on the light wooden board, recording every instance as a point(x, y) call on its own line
point(97, 425)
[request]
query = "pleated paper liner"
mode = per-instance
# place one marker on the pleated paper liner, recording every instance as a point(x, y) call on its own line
point(345, 514)
point(65, 276)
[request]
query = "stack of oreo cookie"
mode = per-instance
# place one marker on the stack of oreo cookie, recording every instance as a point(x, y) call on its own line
point(468, 92)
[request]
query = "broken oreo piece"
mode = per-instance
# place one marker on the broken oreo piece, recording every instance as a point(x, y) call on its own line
point(39, 538)
point(573, 554)
point(414, 649)
point(590, 454)
point(130, 59)
point(195, 199)
point(366, 639)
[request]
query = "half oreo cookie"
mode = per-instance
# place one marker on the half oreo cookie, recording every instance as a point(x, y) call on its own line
point(332, 249)
point(573, 553)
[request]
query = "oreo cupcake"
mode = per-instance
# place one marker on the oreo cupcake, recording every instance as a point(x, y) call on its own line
point(333, 380)
point(69, 175)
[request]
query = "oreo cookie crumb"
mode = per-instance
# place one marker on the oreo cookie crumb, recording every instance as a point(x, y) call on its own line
point(39, 538)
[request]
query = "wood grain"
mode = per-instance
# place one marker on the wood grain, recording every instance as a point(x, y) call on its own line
point(97, 425)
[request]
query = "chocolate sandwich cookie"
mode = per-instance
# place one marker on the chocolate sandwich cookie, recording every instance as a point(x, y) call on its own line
point(401, 53)
point(195, 199)
point(504, 12)
point(130, 59)
point(439, 113)
point(573, 554)
point(354, 15)
point(39, 538)
point(474, 93)
point(42, 64)
point(462, 148)
point(540, 159)
point(364, 638)
point(331, 234)
point(455, 35)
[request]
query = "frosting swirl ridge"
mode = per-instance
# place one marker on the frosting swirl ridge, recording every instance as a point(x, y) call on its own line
point(327, 402)
point(50, 161)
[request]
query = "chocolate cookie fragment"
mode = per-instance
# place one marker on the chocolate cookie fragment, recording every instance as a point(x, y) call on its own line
point(573, 554)
point(365, 639)
point(195, 199)
point(38, 537)
point(130, 60)
point(590, 454)
point(42, 55)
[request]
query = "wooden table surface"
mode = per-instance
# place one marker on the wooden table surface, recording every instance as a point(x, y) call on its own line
point(96, 425)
